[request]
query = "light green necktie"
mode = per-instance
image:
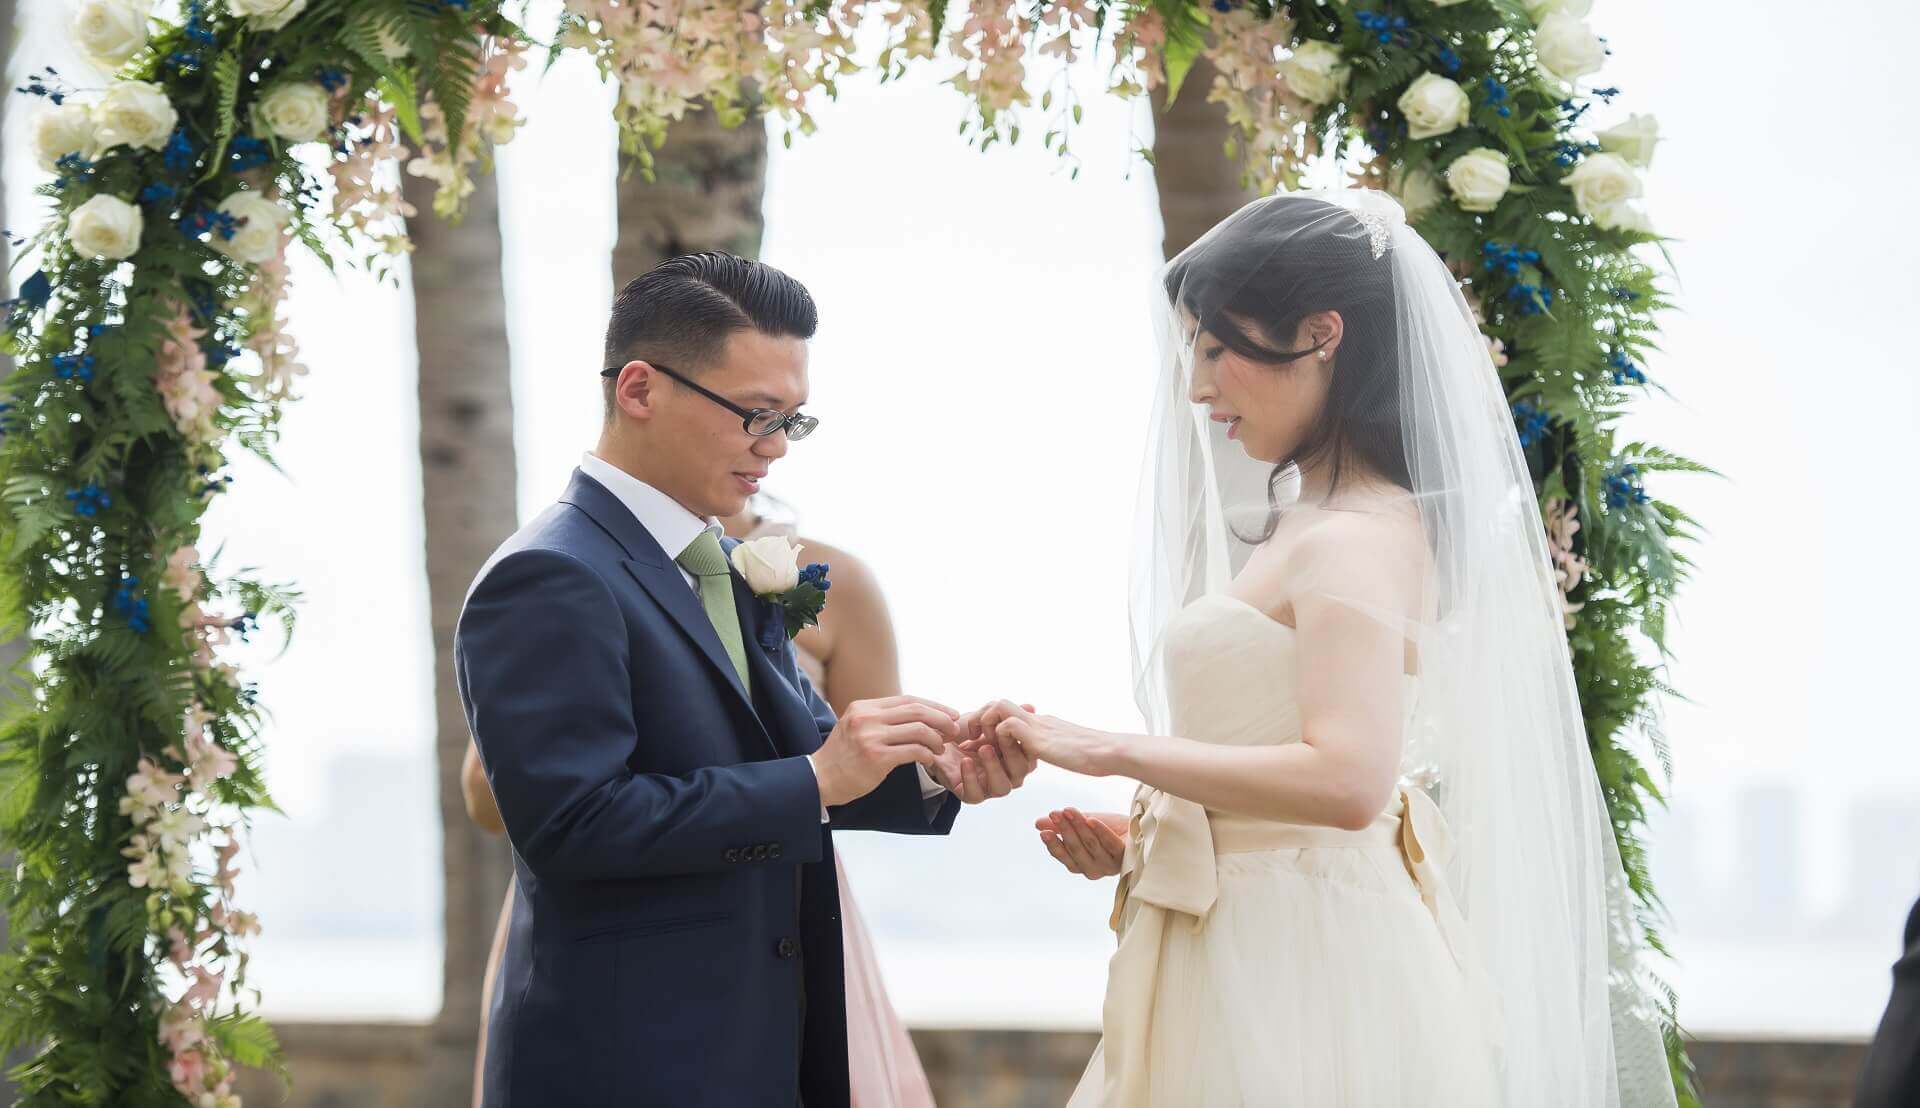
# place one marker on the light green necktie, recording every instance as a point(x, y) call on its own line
point(708, 563)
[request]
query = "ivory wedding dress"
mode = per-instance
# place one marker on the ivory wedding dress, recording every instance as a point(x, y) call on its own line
point(1269, 964)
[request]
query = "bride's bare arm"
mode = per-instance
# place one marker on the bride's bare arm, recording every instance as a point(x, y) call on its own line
point(1349, 687)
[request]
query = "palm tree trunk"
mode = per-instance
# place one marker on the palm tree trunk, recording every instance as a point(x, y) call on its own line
point(706, 196)
point(467, 470)
point(1199, 185)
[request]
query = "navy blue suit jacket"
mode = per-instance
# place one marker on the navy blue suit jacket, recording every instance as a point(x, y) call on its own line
point(675, 937)
point(1891, 1077)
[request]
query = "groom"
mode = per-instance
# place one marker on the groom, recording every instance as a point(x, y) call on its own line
point(670, 782)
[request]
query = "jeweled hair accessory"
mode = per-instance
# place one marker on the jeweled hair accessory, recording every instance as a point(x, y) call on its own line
point(1377, 233)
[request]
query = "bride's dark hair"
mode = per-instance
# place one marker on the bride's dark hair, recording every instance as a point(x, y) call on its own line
point(1251, 282)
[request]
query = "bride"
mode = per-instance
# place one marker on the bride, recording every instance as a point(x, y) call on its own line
point(1368, 863)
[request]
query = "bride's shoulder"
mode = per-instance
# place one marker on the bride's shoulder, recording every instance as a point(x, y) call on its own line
point(1377, 551)
point(1379, 526)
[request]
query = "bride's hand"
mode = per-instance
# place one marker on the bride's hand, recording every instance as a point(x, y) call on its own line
point(1051, 739)
point(1091, 845)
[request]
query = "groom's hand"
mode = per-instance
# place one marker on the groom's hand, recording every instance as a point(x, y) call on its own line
point(874, 738)
point(982, 766)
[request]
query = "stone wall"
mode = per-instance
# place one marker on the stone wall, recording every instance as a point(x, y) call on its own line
point(383, 1066)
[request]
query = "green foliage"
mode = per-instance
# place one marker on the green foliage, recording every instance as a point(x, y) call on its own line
point(1186, 37)
point(99, 488)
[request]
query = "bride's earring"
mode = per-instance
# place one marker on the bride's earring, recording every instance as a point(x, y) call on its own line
point(1323, 355)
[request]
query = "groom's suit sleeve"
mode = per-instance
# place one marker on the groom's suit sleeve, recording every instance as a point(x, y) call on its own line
point(543, 666)
point(898, 804)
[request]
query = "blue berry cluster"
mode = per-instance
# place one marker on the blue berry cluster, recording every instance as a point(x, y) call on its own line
point(178, 153)
point(1622, 489)
point(1497, 96)
point(1532, 422)
point(1531, 299)
point(195, 224)
point(72, 167)
point(246, 152)
point(1386, 28)
point(131, 605)
point(89, 500)
point(35, 291)
point(1507, 259)
point(69, 366)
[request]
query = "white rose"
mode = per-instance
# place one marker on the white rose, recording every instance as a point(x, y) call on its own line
point(1633, 140)
point(1600, 181)
point(110, 31)
point(1478, 179)
point(105, 227)
point(1315, 72)
point(257, 237)
point(1538, 10)
point(1417, 192)
point(1433, 106)
point(1622, 216)
point(1568, 49)
point(770, 565)
point(61, 130)
point(267, 15)
point(133, 113)
point(297, 111)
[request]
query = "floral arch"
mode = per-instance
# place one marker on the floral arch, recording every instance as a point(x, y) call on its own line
point(151, 342)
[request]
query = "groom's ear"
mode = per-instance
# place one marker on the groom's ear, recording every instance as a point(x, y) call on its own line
point(632, 390)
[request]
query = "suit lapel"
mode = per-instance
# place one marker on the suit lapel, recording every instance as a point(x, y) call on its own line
point(654, 571)
point(663, 582)
point(783, 709)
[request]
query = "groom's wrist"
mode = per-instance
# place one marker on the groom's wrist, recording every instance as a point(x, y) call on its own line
point(817, 787)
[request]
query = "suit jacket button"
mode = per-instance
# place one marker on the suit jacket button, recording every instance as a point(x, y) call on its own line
point(773, 851)
point(786, 948)
point(760, 852)
point(733, 854)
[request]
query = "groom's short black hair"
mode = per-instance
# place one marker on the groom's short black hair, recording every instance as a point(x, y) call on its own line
point(682, 311)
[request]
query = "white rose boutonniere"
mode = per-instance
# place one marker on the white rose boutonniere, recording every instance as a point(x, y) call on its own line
point(771, 568)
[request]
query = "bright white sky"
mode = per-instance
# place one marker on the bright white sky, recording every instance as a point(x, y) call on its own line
point(981, 372)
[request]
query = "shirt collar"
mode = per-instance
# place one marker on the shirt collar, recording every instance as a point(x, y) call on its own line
point(670, 523)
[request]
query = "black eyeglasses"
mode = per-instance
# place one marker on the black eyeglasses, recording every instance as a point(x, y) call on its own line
point(758, 422)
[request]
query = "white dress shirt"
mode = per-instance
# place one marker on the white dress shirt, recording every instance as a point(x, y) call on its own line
point(671, 525)
point(675, 528)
